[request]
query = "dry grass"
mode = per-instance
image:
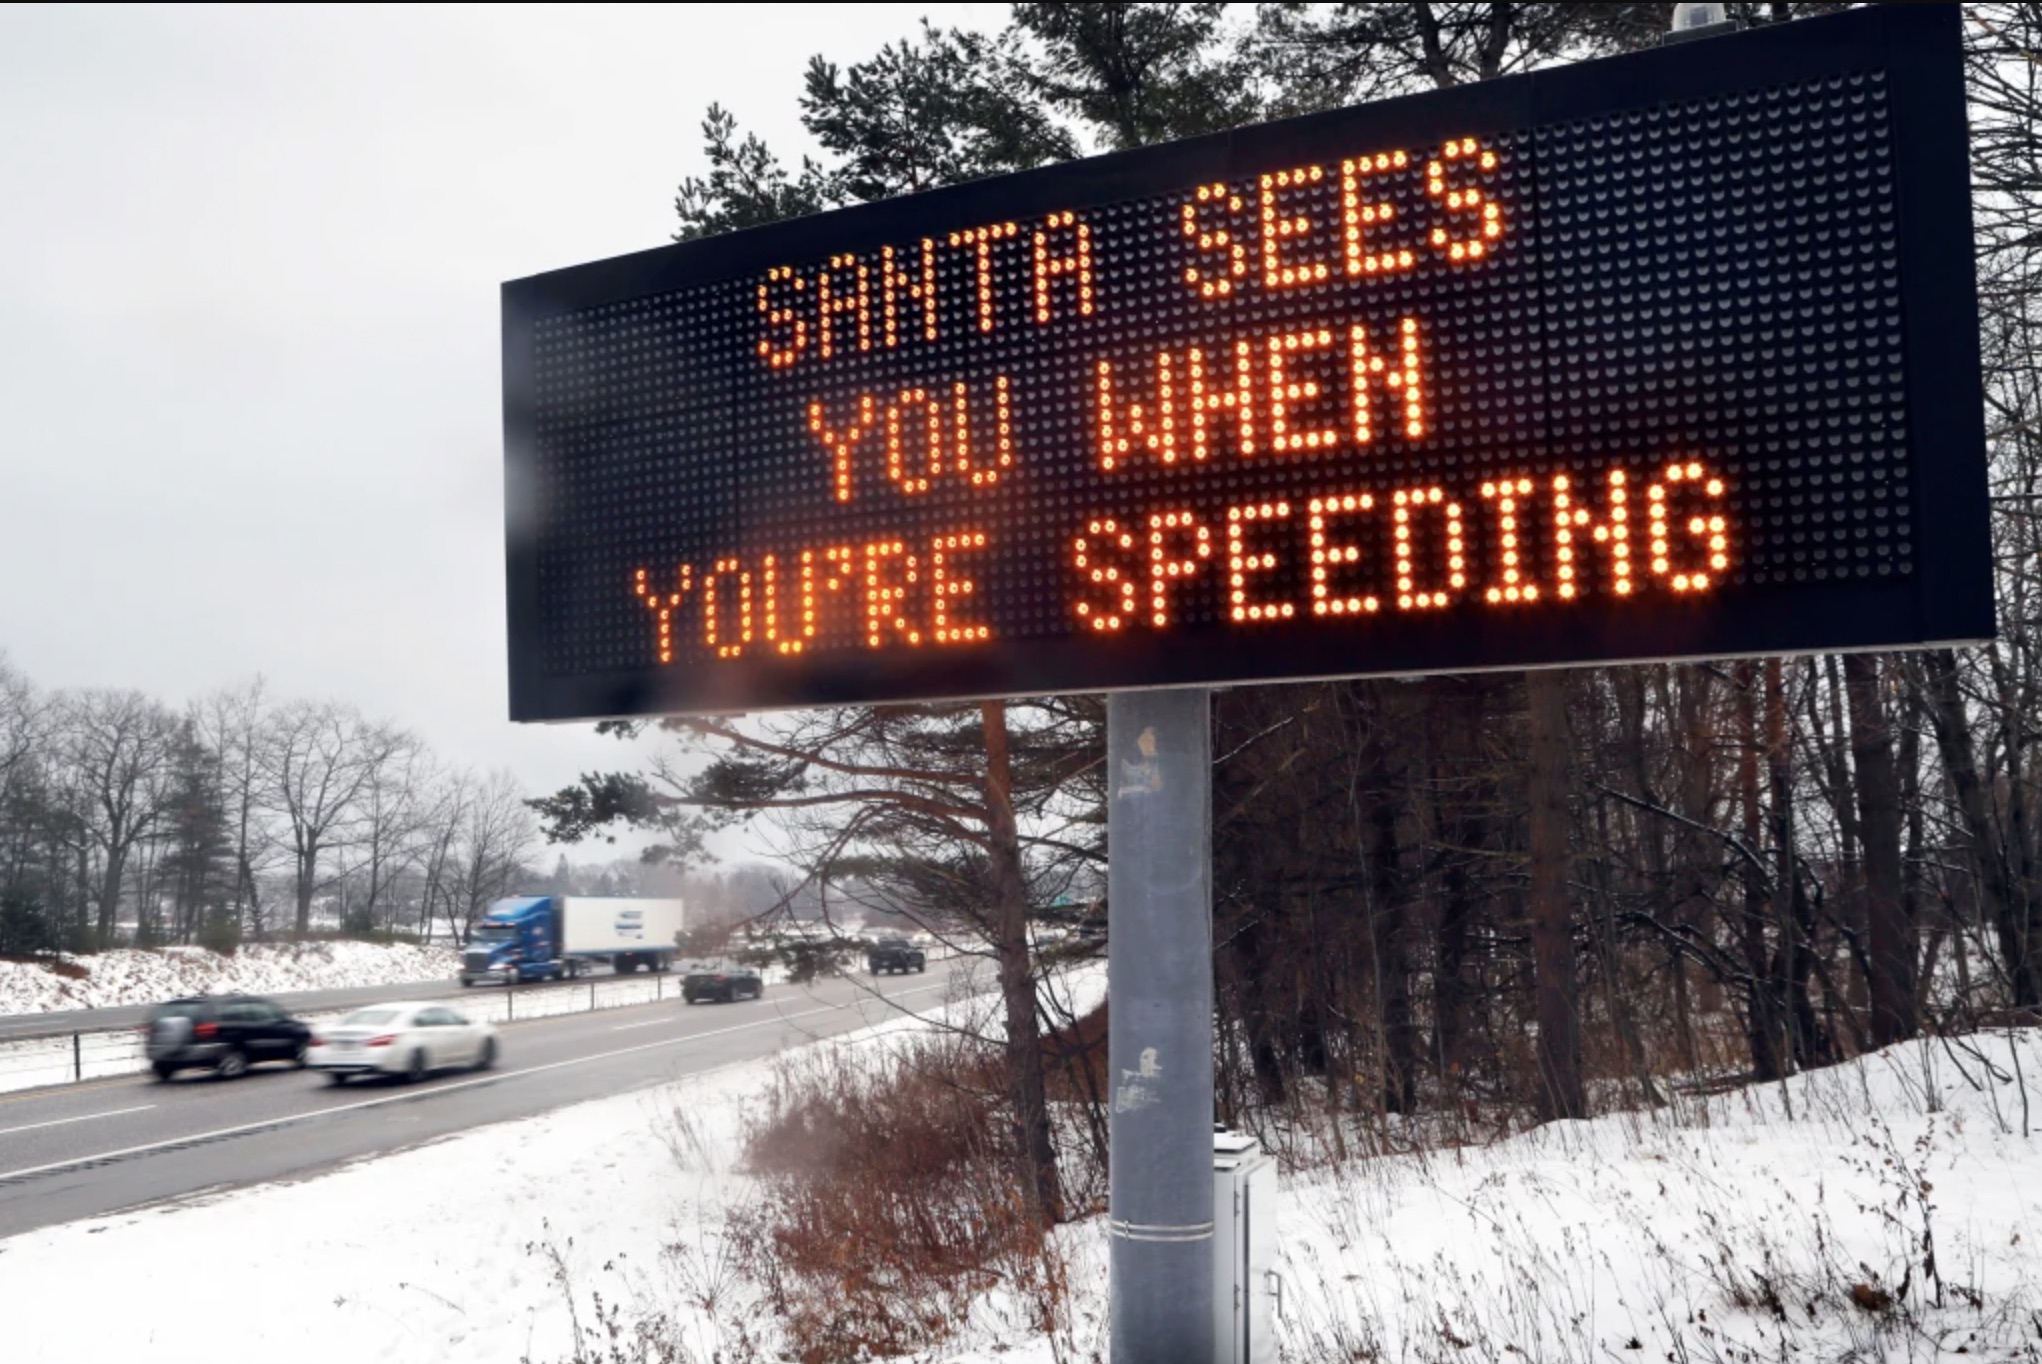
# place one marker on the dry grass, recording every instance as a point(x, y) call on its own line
point(889, 1211)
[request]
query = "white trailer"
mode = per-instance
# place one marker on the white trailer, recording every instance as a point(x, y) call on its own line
point(632, 933)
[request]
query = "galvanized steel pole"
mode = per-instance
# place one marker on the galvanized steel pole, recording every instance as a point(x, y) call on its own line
point(1160, 1041)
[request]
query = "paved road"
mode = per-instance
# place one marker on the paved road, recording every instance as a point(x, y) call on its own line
point(88, 1150)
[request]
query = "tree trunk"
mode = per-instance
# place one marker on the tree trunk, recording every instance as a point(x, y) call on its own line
point(1560, 1087)
point(1794, 961)
point(1850, 911)
point(1914, 830)
point(110, 894)
point(308, 868)
point(1895, 1016)
point(1034, 1152)
point(2013, 752)
point(1996, 894)
point(1761, 1018)
point(1450, 822)
point(1391, 951)
point(1695, 886)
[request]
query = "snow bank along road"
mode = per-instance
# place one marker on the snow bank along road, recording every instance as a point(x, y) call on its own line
point(96, 1148)
point(290, 1001)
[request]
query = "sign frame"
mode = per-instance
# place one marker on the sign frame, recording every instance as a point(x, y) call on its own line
point(1946, 600)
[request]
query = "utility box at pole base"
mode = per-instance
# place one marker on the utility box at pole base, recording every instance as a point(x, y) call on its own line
point(1247, 1291)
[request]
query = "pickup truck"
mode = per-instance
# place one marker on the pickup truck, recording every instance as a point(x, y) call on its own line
point(894, 954)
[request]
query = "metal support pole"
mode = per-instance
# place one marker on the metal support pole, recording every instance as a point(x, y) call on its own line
point(1160, 1043)
point(77, 1058)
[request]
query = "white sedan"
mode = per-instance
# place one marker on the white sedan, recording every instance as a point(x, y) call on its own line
point(411, 1040)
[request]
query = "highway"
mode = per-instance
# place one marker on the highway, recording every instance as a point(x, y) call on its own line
point(87, 1150)
point(15, 1026)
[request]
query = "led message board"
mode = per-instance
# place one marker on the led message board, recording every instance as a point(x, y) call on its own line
point(1667, 355)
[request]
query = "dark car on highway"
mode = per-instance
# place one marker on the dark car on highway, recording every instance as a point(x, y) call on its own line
point(726, 981)
point(225, 1034)
point(894, 954)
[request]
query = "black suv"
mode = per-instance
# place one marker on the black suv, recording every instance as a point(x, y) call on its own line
point(726, 981)
point(223, 1033)
point(894, 954)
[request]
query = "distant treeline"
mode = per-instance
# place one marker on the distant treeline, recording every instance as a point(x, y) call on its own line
point(125, 820)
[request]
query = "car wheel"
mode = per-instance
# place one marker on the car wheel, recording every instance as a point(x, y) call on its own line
point(487, 1058)
point(164, 1070)
point(336, 1078)
point(233, 1065)
point(298, 1057)
point(414, 1071)
point(687, 999)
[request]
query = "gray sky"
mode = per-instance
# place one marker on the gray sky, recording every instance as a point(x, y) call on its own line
point(249, 262)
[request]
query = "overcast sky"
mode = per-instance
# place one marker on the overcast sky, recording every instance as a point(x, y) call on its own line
point(250, 404)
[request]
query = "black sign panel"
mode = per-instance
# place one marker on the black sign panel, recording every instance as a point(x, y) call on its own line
point(1669, 355)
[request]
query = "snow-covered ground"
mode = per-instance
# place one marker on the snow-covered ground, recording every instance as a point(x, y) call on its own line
point(131, 976)
point(1774, 1224)
point(1887, 1209)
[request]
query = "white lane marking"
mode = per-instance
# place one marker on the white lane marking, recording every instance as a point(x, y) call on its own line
point(59, 1122)
point(291, 1119)
point(656, 1022)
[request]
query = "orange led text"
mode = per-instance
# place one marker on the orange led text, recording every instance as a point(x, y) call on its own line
point(876, 594)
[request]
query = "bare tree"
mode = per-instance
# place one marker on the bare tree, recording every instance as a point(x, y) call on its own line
point(30, 856)
point(388, 822)
point(494, 834)
point(233, 723)
point(22, 717)
point(443, 811)
point(118, 747)
point(318, 760)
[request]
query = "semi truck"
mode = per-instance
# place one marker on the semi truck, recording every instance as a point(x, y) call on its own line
point(558, 937)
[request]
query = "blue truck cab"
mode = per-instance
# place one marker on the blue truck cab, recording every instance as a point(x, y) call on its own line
point(555, 937)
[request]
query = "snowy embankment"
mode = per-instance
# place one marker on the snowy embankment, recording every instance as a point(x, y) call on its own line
point(130, 976)
point(1889, 1208)
point(1792, 1222)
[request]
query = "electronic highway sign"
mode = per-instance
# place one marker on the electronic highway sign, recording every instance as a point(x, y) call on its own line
point(1666, 355)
